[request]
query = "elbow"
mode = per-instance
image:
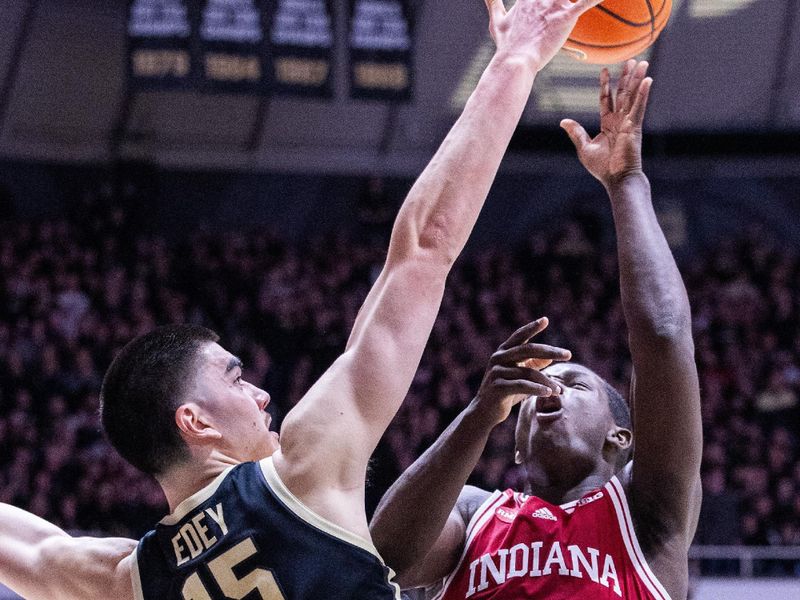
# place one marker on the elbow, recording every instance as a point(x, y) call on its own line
point(662, 334)
point(436, 243)
point(672, 322)
point(433, 242)
point(672, 328)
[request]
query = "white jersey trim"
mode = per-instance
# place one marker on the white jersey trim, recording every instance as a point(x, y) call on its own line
point(294, 504)
point(196, 499)
point(478, 521)
point(136, 578)
point(617, 494)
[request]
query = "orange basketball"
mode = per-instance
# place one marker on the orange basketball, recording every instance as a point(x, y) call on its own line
point(617, 30)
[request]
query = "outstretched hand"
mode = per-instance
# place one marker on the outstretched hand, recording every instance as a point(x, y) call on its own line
point(534, 29)
point(513, 372)
point(617, 150)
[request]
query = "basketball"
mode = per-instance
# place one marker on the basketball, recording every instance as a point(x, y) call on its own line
point(617, 30)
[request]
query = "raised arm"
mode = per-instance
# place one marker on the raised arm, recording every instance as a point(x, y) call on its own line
point(328, 438)
point(664, 482)
point(423, 545)
point(39, 561)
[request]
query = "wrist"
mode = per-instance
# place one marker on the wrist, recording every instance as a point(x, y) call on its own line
point(618, 183)
point(525, 63)
point(481, 415)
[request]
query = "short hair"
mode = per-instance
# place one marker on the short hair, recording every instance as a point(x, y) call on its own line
point(619, 408)
point(621, 413)
point(143, 387)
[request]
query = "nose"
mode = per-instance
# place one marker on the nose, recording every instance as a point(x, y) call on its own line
point(261, 397)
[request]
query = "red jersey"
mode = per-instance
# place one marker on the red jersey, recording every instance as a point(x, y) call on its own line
point(520, 546)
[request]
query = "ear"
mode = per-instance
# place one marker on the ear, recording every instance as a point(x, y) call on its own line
point(193, 425)
point(620, 437)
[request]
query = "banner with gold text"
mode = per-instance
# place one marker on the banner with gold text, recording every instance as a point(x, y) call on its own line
point(231, 39)
point(159, 43)
point(381, 49)
point(302, 34)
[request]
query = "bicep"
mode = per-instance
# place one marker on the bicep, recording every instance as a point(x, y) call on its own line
point(22, 537)
point(76, 568)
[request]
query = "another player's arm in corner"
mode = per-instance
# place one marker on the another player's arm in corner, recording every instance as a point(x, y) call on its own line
point(39, 561)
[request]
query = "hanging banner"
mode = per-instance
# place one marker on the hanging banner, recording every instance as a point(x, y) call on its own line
point(159, 43)
point(231, 41)
point(380, 40)
point(301, 47)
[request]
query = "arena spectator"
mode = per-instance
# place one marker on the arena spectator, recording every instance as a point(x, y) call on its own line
point(74, 290)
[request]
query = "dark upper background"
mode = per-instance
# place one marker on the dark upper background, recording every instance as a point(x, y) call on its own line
point(721, 66)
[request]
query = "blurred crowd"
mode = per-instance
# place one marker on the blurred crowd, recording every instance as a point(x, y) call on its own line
point(73, 290)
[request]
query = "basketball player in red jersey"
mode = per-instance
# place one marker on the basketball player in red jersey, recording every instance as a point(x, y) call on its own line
point(589, 524)
point(184, 414)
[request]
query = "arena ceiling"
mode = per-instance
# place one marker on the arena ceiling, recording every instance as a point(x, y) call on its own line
point(720, 66)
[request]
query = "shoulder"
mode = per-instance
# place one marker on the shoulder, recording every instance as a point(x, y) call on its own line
point(469, 501)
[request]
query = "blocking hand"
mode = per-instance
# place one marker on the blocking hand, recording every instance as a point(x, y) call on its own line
point(534, 29)
point(617, 150)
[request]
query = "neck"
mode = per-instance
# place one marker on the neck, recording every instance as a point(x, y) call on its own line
point(560, 486)
point(188, 478)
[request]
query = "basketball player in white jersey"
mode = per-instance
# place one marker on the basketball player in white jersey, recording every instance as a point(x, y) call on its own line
point(174, 402)
point(589, 524)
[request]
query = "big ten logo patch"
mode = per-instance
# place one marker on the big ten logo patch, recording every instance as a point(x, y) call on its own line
point(506, 515)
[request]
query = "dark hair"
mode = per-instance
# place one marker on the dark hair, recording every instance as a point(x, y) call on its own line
point(622, 417)
point(144, 385)
point(619, 408)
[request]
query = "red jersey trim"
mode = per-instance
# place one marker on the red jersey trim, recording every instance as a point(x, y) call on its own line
point(646, 575)
point(478, 521)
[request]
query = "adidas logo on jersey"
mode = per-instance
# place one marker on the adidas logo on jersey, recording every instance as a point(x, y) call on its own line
point(544, 513)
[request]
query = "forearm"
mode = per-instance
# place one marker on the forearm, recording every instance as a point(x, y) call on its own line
point(653, 294)
point(445, 201)
point(414, 510)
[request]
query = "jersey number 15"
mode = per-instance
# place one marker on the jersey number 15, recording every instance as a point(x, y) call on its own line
point(260, 580)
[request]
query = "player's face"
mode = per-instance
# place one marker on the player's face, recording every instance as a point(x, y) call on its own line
point(234, 407)
point(571, 427)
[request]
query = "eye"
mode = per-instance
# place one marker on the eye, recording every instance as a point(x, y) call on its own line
point(581, 386)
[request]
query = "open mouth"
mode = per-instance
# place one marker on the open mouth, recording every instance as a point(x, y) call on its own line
point(548, 409)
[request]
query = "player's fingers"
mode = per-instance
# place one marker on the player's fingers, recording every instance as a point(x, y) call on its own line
point(524, 333)
point(632, 86)
point(623, 79)
point(496, 9)
point(576, 133)
point(523, 387)
point(581, 6)
point(640, 103)
point(606, 99)
point(524, 374)
point(523, 352)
